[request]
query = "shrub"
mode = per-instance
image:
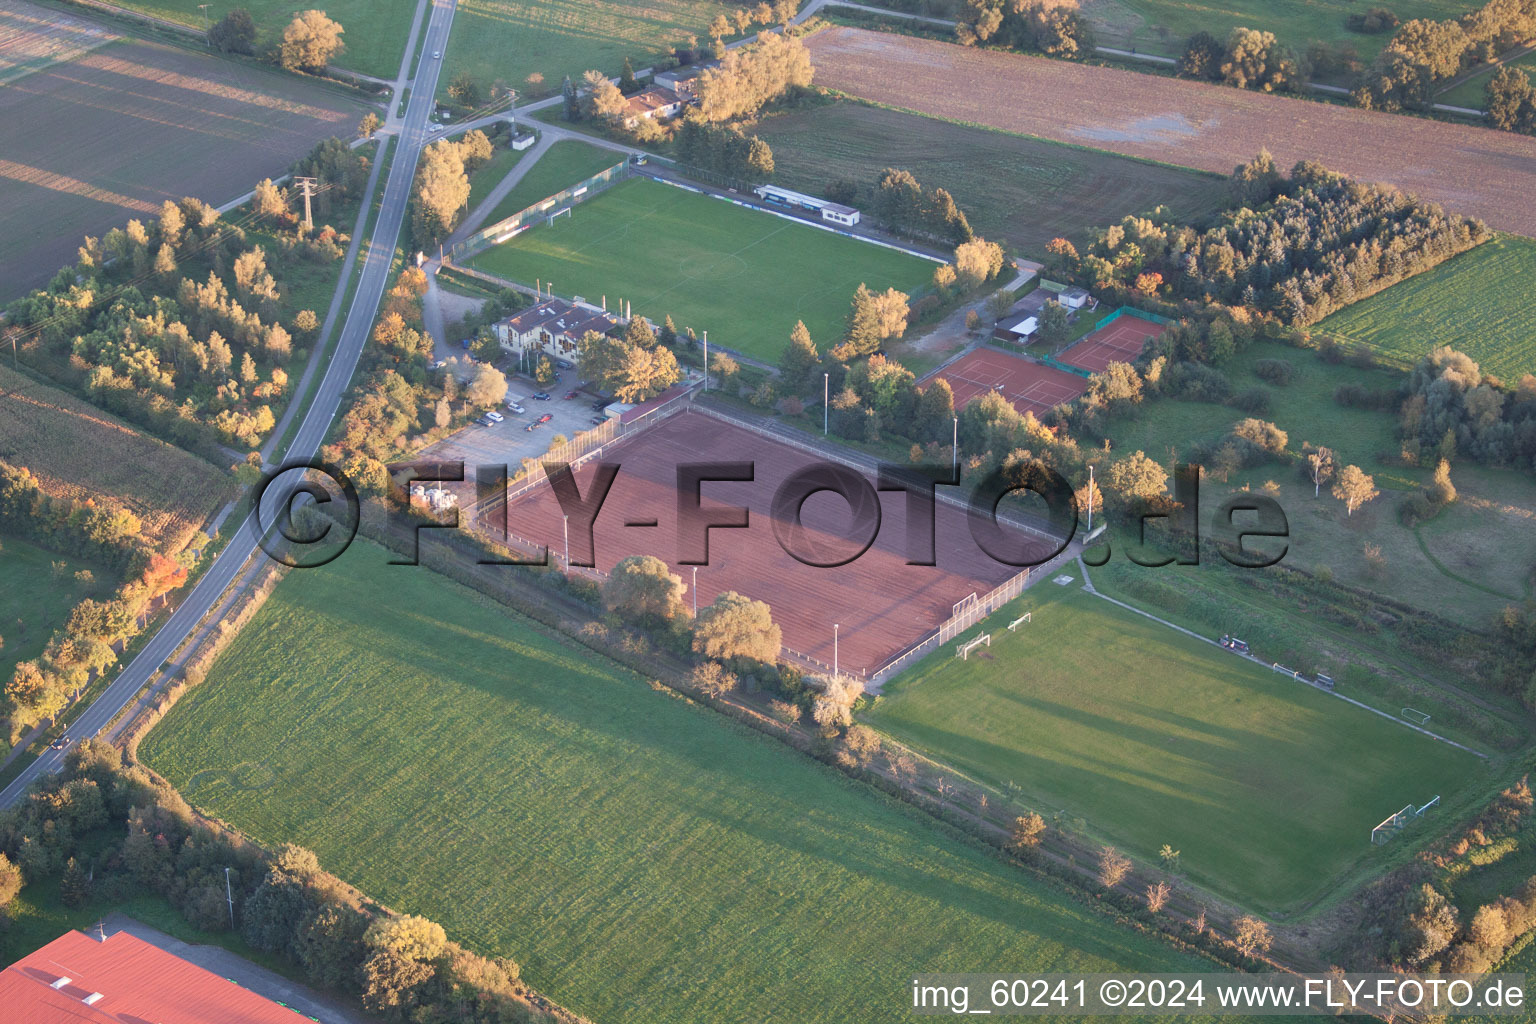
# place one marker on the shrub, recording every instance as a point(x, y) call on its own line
point(1254, 400)
point(1274, 371)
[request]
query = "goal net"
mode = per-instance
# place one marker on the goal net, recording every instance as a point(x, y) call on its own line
point(963, 650)
point(1016, 623)
point(1395, 823)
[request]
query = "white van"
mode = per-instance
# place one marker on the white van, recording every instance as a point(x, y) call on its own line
point(494, 416)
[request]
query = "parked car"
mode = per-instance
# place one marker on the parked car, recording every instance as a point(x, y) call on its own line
point(600, 405)
point(542, 396)
point(598, 421)
point(545, 418)
point(514, 407)
point(485, 421)
point(438, 364)
point(564, 365)
point(494, 416)
point(572, 394)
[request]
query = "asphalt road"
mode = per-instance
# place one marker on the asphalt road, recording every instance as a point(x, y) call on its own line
point(316, 421)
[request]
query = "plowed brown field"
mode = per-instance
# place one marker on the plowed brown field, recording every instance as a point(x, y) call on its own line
point(1477, 171)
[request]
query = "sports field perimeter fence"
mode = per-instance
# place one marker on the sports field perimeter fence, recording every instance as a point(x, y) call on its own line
point(540, 212)
point(964, 614)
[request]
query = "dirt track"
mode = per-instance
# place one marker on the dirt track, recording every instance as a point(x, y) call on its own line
point(1478, 171)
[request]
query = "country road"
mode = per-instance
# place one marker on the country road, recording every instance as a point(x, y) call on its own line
point(316, 419)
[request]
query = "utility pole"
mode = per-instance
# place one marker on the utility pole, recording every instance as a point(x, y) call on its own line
point(834, 649)
point(1090, 499)
point(230, 896)
point(826, 383)
point(695, 592)
point(307, 186)
point(204, 9)
point(567, 523)
point(706, 360)
point(954, 445)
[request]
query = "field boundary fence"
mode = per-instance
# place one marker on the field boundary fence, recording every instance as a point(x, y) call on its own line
point(970, 612)
point(539, 212)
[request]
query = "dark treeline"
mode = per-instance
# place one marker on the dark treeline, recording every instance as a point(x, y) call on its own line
point(1055, 27)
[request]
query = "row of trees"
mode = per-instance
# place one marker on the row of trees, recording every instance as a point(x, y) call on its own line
point(1304, 245)
point(1422, 54)
point(440, 193)
point(308, 43)
point(40, 688)
point(101, 826)
point(1247, 59)
point(901, 204)
point(723, 149)
point(750, 76)
point(1054, 27)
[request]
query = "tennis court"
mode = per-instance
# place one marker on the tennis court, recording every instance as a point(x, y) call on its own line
point(1031, 387)
point(1120, 341)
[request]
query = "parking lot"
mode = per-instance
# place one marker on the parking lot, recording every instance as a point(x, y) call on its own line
point(510, 441)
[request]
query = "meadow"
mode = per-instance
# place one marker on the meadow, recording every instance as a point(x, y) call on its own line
point(643, 858)
point(77, 451)
point(1472, 91)
point(38, 597)
point(562, 165)
point(1153, 737)
point(1162, 26)
point(511, 39)
point(1477, 303)
point(742, 275)
point(148, 122)
point(1015, 189)
point(375, 31)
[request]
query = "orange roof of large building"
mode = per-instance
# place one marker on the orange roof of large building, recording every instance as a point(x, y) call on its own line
point(125, 980)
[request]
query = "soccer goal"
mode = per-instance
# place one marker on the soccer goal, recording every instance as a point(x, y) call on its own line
point(1397, 822)
point(1416, 717)
point(963, 650)
point(1016, 623)
point(565, 212)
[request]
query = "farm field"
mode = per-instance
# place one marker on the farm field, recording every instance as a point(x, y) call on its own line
point(77, 451)
point(375, 30)
point(35, 37)
point(641, 857)
point(1477, 303)
point(1014, 189)
point(1192, 124)
point(36, 600)
point(148, 122)
point(744, 276)
point(566, 162)
point(511, 39)
point(1153, 737)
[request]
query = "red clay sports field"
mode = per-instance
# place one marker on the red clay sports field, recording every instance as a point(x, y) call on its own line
point(881, 604)
point(1120, 341)
point(1031, 387)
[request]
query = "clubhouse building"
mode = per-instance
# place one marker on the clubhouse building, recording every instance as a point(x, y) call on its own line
point(552, 326)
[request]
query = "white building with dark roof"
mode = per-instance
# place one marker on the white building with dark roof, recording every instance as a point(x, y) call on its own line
point(552, 326)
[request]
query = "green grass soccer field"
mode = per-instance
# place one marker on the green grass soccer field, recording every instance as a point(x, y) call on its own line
point(1269, 788)
point(643, 858)
point(742, 275)
point(1477, 303)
